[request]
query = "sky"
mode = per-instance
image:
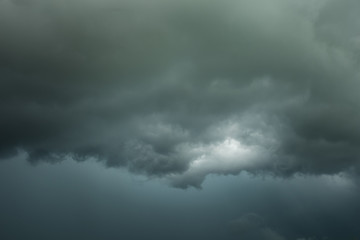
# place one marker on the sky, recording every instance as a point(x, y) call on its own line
point(164, 119)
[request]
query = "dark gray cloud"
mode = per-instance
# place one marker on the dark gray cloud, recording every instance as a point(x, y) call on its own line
point(182, 89)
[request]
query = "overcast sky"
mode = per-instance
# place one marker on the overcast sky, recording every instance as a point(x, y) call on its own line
point(180, 119)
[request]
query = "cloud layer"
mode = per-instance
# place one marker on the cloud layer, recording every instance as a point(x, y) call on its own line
point(183, 89)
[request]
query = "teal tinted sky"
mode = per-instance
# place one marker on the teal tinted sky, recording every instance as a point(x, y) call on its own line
point(71, 200)
point(180, 119)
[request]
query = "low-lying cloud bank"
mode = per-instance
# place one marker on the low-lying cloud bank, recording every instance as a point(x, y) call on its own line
point(183, 89)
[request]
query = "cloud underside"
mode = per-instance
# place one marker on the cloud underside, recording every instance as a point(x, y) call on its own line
point(183, 89)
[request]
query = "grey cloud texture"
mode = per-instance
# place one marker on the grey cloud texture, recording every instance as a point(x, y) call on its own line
point(183, 89)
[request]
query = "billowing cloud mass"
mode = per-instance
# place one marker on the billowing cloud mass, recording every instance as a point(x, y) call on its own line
point(183, 89)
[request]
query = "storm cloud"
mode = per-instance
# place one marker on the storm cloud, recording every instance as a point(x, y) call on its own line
point(183, 89)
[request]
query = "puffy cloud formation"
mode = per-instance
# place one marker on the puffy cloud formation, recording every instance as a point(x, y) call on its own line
point(183, 89)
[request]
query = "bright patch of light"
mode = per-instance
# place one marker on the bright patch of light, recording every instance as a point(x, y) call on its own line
point(227, 154)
